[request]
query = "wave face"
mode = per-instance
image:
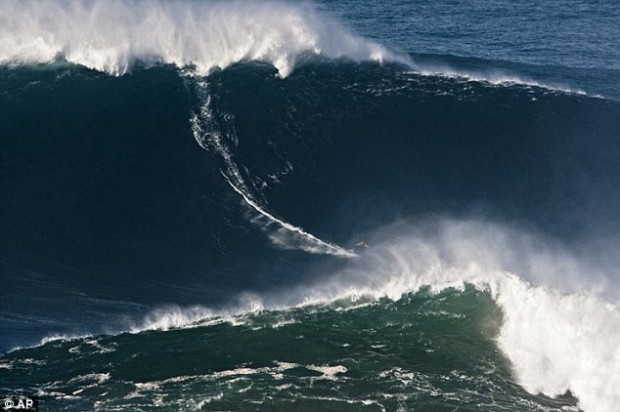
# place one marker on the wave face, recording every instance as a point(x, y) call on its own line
point(302, 218)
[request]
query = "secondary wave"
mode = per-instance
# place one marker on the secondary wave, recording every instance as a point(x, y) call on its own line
point(557, 341)
point(112, 36)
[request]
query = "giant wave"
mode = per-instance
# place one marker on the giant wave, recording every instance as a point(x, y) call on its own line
point(120, 207)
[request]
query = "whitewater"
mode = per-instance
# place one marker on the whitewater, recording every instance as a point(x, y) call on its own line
point(559, 327)
point(559, 337)
point(113, 36)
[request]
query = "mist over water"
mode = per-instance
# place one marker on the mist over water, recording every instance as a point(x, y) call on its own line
point(557, 330)
point(112, 36)
point(418, 230)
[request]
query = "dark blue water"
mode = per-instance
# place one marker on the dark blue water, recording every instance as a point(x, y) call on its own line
point(155, 214)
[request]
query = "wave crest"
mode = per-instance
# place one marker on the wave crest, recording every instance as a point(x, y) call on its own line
point(557, 336)
point(112, 36)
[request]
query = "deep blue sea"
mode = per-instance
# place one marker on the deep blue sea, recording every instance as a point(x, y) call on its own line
point(310, 206)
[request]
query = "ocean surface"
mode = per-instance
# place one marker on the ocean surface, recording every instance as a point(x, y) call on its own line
point(310, 206)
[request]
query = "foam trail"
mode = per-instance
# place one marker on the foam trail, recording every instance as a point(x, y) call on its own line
point(494, 77)
point(211, 132)
point(301, 239)
point(112, 35)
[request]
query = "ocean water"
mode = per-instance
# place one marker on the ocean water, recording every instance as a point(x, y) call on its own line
point(338, 205)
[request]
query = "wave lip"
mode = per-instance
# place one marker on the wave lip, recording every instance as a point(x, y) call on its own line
point(114, 35)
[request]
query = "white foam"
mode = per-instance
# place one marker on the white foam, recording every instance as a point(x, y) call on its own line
point(328, 372)
point(558, 331)
point(561, 323)
point(112, 35)
point(494, 77)
point(230, 375)
point(95, 378)
point(562, 342)
point(173, 317)
point(60, 338)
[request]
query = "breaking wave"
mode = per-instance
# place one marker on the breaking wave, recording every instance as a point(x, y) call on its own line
point(113, 36)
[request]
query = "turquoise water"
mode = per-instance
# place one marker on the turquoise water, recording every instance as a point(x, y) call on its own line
point(427, 351)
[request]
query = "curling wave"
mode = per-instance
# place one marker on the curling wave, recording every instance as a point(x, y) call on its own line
point(113, 36)
point(557, 341)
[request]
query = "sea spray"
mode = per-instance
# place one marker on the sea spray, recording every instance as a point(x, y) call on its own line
point(556, 341)
point(113, 36)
